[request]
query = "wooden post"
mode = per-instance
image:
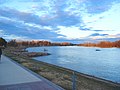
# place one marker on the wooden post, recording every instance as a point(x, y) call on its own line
point(74, 81)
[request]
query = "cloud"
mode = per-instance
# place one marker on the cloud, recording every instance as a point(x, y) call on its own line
point(24, 16)
point(104, 37)
point(98, 30)
point(2, 33)
point(12, 36)
point(109, 21)
point(3, 1)
point(97, 34)
point(73, 32)
point(33, 31)
point(60, 20)
point(98, 6)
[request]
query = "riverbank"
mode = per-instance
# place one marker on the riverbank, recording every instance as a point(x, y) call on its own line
point(59, 75)
point(21, 51)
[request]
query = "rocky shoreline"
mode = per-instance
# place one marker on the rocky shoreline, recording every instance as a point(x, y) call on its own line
point(21, 51)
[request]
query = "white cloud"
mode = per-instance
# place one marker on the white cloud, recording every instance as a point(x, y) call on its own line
point(80, 1)
point(1, 33)
point(104, 37)
point(73, 32)
point(38, 26)
point(29, 26)
point(12, 36)
point(108, 21)
point(48, 10)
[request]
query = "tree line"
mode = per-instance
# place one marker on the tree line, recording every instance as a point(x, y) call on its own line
point(37, 43)
point(102, 44)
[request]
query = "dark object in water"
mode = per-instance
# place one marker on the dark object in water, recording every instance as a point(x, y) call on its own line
point(98, 50)
point(45, 49)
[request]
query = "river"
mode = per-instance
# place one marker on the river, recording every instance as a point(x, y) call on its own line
point(103, 64)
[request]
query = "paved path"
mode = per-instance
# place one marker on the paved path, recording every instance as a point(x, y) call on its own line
point(14, 77)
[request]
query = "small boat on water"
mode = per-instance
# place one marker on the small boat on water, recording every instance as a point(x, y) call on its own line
point(97, 50)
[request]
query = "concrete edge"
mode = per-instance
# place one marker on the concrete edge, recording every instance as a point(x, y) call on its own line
point(42, 78)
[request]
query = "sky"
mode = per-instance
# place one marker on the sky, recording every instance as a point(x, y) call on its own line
point(73, 21)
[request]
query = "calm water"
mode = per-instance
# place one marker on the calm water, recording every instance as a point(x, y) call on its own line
point(104, 64)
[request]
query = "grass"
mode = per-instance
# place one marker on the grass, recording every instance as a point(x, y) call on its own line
point(61, 76)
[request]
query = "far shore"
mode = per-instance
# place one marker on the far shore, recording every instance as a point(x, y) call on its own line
point(59, 75)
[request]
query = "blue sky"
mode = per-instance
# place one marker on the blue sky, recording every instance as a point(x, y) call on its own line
point(60, 20)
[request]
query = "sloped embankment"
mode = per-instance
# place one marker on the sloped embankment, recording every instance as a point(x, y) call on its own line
point(59, 75)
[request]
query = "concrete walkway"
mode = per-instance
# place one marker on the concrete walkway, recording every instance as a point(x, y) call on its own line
point(15, 77)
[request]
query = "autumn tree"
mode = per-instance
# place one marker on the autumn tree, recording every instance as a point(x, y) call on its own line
point(12, 43)
point(3, 42)
point(117, 43)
